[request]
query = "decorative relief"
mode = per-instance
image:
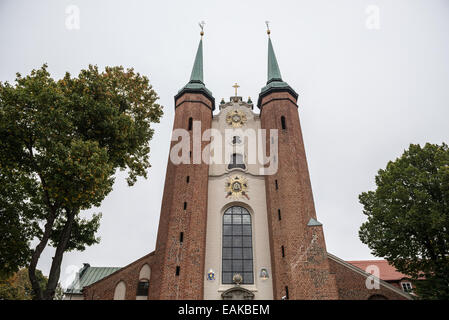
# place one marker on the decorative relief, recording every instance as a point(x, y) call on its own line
point(236, 118)
point(264, 274)
point(236, 187)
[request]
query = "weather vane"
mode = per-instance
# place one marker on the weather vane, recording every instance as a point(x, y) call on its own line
point(201, 24)
point(268, 27)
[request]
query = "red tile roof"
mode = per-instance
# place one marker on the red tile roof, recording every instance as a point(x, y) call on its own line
point(386, 271)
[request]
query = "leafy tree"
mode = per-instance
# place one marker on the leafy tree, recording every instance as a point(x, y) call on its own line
point(18, 286)
point(61, 143)
point(408, 217)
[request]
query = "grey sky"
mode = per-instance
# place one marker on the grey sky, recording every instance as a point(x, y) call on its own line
point(364, 95)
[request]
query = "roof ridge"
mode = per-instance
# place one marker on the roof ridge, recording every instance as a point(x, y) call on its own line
point(366, 274)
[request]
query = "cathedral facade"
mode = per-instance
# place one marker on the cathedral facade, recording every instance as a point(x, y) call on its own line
point(237, 218)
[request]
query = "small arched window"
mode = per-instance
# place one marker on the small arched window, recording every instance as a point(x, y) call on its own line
point(284, 125)
point(144, 282)
point(236, 161)
point(190, 123)
point(120, 291)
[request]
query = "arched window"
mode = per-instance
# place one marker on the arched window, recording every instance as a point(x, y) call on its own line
point(284, 126)
point(120, 291)
point(190, 123)
point(145, 272)
point(142, 288)
point(237, 254)
point(236, 161)
point(144, 282)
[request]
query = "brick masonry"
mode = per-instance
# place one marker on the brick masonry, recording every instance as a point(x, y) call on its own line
point(351, 285)
point(189, 255)
point(304, 268)
point(104, 289)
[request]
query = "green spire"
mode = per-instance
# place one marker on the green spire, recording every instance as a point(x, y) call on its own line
point(274, 81)
point(196, 82)
point(197, 71)
point(274, 74)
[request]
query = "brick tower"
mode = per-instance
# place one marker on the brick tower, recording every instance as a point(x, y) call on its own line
point(180, 246)
point(298, 252)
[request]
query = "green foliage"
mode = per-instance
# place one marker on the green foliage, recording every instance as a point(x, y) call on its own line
point(82, 235)
point(408, 217)
point(18, 286)
point(61, 143)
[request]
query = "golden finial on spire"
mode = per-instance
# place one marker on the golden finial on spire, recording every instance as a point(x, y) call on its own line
point(201, 24)
point(268, 27)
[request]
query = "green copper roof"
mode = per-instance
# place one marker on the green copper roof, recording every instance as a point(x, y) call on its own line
point(196, 83)
point(314, 223)
point(197, 71)
point(274, 78)
point(88, 275)
point(274, 74)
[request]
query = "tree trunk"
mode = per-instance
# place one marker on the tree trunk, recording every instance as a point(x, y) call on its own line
point(37, 290)
point(55, 270)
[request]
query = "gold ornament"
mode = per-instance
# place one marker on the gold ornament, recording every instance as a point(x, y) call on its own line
point(236, 187)
point(236, 118)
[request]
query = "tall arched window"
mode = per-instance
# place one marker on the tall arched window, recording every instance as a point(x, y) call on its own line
point(144, 282)
point(237, 246)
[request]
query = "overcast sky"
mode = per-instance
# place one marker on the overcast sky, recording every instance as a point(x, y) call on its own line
point(367, 89)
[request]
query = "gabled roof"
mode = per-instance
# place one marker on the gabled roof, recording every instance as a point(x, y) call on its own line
point(386, 271)
point(88, 275)
point(362, 272)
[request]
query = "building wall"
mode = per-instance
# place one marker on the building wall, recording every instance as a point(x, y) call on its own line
point(303, 270)
point(218, 203)
point(171, 253)
point(105, 288)
point(352, 285)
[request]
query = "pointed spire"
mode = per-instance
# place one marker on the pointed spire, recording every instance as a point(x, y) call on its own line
point(196, 82)
point(274, 78)
point(197, 71)
point(274, 74)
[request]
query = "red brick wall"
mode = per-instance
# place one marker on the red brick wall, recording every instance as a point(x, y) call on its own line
point(104, 289)
point(351, 285)
point(190, 254)
point(304, 269)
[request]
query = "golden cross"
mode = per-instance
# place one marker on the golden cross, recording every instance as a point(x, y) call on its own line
point(235, 86)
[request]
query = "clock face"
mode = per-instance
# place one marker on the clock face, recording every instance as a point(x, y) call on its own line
point(236, 118)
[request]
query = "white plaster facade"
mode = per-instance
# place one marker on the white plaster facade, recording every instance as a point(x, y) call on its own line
point(218, 203)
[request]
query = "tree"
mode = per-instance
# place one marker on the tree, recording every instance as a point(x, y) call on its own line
point(61, 143)
point(18, 286)
point(408, 217)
